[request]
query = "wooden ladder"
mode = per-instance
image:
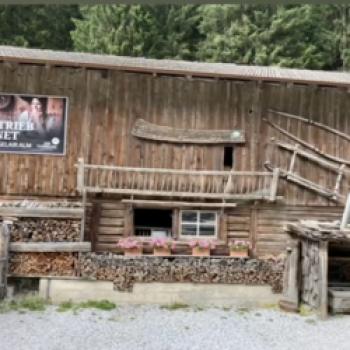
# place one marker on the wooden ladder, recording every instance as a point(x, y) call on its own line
point(339, 170)
point(4, 256)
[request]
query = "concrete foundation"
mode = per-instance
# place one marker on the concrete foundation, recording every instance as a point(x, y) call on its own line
point(220, 295)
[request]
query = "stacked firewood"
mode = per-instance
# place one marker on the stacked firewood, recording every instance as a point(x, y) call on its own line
point(45, 230)
point(125, 272)
point(43, 264)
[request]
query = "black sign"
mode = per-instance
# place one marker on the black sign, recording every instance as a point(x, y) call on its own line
point(33, 124)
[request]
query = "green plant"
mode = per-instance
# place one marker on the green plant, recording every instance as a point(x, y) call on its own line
point(65, 306)
point(27, 303)
point(175, 306)
point(104, 305)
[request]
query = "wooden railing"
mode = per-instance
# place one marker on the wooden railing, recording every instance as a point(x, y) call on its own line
point(176, 183)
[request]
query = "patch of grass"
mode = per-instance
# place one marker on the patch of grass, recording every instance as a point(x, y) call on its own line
point(28, 303)
point(32, 304)
point(98, 304)
point(175, 306)
point(65, 306)
point(226, 308)
point(104, 305)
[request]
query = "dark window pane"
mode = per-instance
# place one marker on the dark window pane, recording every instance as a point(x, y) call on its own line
point(207, 217)
point(189, 216)
point(189, 230)
point(207, 230)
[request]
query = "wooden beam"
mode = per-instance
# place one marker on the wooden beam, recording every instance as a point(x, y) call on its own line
point(176, 204)
point(290, 298)
point(323, 279)
point(50, 247)
point(42, 212)
point(306, 144)
point(312, 186)
point(311, 122)
point(274, 184)
point(149, 131)
point(314, 158)
point(132, 192)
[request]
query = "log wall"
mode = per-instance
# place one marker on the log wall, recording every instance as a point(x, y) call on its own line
point(104, 104)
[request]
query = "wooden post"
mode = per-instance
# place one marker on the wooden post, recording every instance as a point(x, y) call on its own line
point(94, 224)
point(129, 229)
point(338, 180)
point(4, 249)
point(323, 279)
point(292, 161)
point(274, 184)
point(290, 298)
point(80, 175)
point(82, 222)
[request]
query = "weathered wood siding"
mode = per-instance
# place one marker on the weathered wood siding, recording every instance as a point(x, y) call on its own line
point(103, 105)
point(264, 226)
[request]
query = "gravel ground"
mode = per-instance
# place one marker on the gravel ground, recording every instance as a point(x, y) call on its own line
point(150, 327)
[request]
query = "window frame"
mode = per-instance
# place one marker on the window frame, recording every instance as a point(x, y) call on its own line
point(198, 224)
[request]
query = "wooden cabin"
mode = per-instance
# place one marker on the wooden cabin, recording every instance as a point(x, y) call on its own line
point(184, 149)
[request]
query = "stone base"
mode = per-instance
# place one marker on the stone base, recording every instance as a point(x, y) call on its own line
point(193, 294)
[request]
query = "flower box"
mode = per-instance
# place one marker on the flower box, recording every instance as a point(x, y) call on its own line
point(136, 251)
point(201, 247)
point(239, 249)
point(239, 253)
point(130, 246)
point(161, 246)
point(160, 251)
point(197, 251)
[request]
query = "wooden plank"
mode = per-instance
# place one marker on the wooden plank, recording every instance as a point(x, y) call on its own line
point(323, 279)
point(116, 222)
point(316, 159)
point(312, 122)
point(112, 213)
point(149, 131)
point(107, 230)
point(177, 194)
point(50, 247)
point(108, 238)
point(176, 204)
point(42, 212)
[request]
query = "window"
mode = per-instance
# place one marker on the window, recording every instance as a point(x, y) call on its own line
point(153, 222)
point(197, 223)
point(228, 157)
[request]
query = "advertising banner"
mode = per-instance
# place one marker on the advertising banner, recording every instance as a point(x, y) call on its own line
point(33, 124)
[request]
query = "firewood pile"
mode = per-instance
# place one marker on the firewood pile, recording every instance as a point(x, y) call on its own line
point(43, 264)
point(45, 230)
point(124, 272)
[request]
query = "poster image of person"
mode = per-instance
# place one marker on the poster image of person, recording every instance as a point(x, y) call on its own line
point(32, 124)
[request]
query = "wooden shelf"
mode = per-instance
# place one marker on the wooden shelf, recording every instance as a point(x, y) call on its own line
point(42, 212)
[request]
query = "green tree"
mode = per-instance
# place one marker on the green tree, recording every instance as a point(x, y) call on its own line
point(38, 26)
point(153, 31)
point(302, 36)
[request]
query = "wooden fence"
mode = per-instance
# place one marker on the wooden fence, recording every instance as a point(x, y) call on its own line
point(177, 183)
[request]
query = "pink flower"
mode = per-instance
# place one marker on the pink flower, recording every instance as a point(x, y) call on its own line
point(161, 243)
point(202, 244)
point(128, 243)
